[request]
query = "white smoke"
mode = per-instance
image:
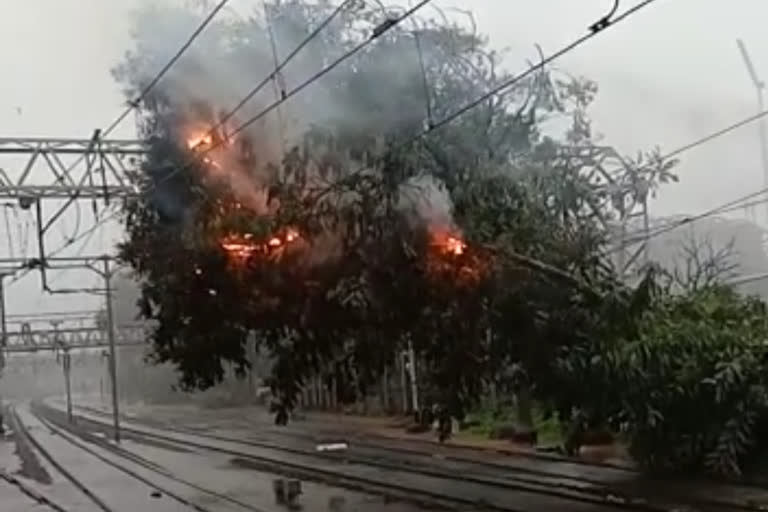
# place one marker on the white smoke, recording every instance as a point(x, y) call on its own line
point(365, 97)
point(426, 201)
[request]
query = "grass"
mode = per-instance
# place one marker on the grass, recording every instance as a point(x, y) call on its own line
point(483, 421)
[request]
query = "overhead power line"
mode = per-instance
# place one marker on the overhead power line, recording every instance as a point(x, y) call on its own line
point(282, 65)
point(596, 28)
point(132, 104)
point(603, 24)
point(723, 208)
point(378, 31)
point(736, 281)
point(718, 134)
point(382, 28)
point(152, 83)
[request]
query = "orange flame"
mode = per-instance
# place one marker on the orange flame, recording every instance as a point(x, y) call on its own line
point(455, 246)
point(239, 249)
point(204, 139)
point(242, 246)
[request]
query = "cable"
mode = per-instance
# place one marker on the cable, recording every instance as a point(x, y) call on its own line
point(718, 133)
point(378, 31)
point(737, 281)
point(512, 81)
point(281, 66)
point(734, 208)
point(25, 269)
point(725, 208)
point(605, 23)
point(688, 220)
point(135, 103)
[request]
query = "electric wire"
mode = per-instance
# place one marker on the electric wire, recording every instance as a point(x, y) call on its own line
point(142, 95)
point(152, 83)
point(378, 31)
point(718, 210)
point(281, 66)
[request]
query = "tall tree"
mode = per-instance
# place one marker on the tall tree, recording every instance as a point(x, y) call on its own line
point(338, 238)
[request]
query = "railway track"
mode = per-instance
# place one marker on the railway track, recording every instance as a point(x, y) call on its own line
point(612, 480)
point(33, 497)
point(171, 500)
point(569, 492)
point(71, 434)
point(21, 429)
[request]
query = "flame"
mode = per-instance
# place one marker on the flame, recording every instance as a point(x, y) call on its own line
point(448, 243)
point(203, 139)
point(237, 246)
point(455, 246)
point(242, 246)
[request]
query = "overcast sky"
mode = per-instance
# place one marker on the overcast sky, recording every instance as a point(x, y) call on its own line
point(667, 76)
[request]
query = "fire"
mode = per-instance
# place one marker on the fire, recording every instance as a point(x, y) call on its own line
point(204, 139)
point(243, 246)
point(455, 246)
point(448, 243)
point(240, 247)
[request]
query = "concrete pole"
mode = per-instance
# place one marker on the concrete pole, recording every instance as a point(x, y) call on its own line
point(3, 340)
point(67, 363)
point(112, 350)
point(3, 325)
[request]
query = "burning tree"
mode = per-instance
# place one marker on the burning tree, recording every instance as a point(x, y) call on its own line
point(320, 231)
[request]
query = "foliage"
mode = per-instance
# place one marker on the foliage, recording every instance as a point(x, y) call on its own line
point(689, 391)
point(371, 272)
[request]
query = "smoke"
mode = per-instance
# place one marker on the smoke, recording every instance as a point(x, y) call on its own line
point(369, 94)
point(426, 202)
point(362, 102)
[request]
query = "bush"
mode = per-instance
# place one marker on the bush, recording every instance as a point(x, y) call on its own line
point(691, 390)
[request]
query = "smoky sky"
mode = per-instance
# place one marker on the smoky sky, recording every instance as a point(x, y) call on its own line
point(666, 76)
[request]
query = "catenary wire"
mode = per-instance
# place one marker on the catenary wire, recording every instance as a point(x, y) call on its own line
point(152, 83)
point(384, 27)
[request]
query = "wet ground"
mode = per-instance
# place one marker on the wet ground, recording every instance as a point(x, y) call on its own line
point(181, 458)
point(380, 436)
point(144, 474)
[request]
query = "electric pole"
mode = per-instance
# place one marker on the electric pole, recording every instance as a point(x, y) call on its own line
point(67, 364)
point(759, 90)
point(3, 339)
point(107, 273)
point(3, 324)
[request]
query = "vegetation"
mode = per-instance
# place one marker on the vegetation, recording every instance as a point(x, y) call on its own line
point(481, 245)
